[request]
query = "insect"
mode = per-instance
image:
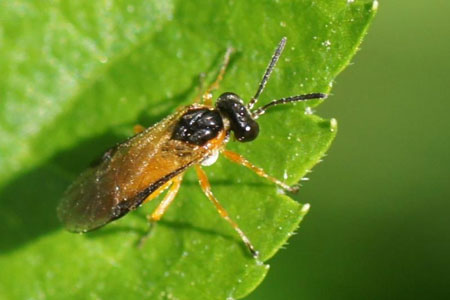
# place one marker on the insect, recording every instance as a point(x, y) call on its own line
point(155, 159)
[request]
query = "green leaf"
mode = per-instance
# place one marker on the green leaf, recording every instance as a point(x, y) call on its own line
point(77, 75)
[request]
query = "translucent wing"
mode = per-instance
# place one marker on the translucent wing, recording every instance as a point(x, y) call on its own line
point(126, 175)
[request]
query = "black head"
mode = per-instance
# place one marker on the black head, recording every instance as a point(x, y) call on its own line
point(199, 125)
point(245, 129)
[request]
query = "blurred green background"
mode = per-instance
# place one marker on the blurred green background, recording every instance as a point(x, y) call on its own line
point(379, 225)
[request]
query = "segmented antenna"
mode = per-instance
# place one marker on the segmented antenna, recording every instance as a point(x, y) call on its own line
point(260, 111)
point(269, 70)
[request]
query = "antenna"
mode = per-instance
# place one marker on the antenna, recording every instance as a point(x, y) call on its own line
point(269, 70)
point(260, 111)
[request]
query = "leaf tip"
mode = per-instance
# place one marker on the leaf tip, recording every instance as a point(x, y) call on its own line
point(375, 5)
point(333, 125)
point(305, 208)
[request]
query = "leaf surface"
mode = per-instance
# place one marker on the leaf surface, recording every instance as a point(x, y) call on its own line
point(77, 75)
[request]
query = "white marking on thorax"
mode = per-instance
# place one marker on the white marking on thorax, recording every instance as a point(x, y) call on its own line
point(211, 159)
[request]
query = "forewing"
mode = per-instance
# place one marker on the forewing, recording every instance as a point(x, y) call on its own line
point(126, 175)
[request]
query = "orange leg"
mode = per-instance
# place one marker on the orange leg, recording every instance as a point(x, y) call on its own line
point(174, 184)
point(158, 191)
point(168, 199)
point(201, 85)
point(206, 97)
point(206, 187)
point(138, 128)
point(237, 158)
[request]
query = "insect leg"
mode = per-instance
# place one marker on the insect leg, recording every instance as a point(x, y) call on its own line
point(138, 128)
point(158, 191)
point(239, 159)
point(207, 96)
point(162, 207)
point(201, 86)
point(206, 187)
